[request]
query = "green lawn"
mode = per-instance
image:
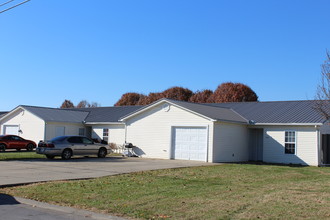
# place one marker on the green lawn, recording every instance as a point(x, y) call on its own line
point(30, 155)
point(231, 191)
point(19, 155)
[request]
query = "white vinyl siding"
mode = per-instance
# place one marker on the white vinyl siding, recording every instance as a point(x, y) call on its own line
point(151, 130)
point(32, 127)
point(306, 145)
point(54, 129)
point(59, 131)
point(231, 143)
point(116, 133)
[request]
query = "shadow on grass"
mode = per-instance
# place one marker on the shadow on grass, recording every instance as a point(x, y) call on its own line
point(272, 164)
point(11, 151)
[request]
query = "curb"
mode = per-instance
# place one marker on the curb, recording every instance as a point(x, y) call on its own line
point(68, 210)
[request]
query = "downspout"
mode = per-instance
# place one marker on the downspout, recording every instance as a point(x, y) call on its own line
point(45, 131)
point(125, 133)
point(319, 155)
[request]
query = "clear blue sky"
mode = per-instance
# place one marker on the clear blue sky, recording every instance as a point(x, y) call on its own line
point(97, 50)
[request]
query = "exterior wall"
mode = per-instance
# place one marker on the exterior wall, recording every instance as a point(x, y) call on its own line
point(70, 129)
point(116, 133)
point(306, 145)
point(151, 131)
point(231, 142)
point(32, 127)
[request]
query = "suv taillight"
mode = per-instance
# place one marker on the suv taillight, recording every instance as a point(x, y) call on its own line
point(50, 145)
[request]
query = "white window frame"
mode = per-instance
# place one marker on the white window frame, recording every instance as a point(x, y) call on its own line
point(81, 133)
point(105, 137)
point(290, 141)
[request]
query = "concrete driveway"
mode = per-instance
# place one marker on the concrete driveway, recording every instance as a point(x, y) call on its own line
point(38, 170)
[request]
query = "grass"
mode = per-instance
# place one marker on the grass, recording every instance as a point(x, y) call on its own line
point(12, 155)
point(19, 155)
point(231, 191)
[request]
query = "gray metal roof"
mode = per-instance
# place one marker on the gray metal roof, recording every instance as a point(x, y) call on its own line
point(107, 114)
point(276, 112)
point(213, 112)
point(240, 112)
point(2, 114)
point(79, 115)
point(57, 115)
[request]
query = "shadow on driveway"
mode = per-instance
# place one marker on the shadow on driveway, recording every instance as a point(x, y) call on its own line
point(79, 159)
point(7, 200)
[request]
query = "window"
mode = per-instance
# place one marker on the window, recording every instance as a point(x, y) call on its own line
point(16, 138)
point(290, 142)
point(75, 140)
point(81, 132)
point(106, 134)
point(86, 141)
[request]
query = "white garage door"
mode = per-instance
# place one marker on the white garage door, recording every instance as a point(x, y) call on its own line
point(189, 143)
point(10, 129)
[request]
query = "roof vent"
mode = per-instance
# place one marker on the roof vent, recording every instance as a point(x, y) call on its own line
point(166, 107)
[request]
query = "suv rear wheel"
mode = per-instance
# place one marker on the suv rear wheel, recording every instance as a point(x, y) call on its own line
point(102, 153)
point(29, 147)
point(66, 154)
point(2, 147)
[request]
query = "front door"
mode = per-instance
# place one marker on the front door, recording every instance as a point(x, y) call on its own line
point(256, 144)
point(326, 149)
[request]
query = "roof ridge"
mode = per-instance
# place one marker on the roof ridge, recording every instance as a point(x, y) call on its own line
point(261, 102)
point(123, 106)
point(50, 108)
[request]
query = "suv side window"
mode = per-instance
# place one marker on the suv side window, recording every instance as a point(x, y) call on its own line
point(16, 138)
point(76, 140)
point(86, 141)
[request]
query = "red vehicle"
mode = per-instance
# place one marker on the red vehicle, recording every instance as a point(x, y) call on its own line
point(15, 142)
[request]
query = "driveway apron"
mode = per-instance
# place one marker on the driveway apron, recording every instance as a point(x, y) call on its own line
point(18, 172)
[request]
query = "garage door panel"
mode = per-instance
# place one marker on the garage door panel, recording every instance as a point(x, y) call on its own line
point(190, 143)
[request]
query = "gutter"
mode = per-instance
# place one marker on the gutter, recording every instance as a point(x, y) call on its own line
point(286, 124)
point(104, 123)
point(230, 121)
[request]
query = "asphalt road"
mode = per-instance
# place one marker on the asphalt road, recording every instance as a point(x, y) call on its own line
point(13, 209)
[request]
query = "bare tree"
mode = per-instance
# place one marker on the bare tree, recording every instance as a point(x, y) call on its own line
point(205, 96)
point(322, 103)
point(234, 92)
point(130, 98)
point(94, 105)
point(83, 104)
point(67, 104)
